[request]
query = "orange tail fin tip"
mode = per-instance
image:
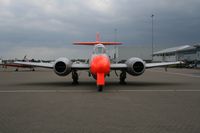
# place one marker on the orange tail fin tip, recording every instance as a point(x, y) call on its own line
point(97, 42)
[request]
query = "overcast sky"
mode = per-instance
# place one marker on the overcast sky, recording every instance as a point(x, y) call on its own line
point(47, 28)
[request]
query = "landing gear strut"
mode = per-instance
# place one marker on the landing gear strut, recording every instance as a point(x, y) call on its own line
point(100, 88)
point(75, 77)
point(122, 77)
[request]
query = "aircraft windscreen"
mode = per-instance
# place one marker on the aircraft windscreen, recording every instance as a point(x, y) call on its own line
point(99, 50)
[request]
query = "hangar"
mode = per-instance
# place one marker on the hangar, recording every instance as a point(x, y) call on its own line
point(187, 53)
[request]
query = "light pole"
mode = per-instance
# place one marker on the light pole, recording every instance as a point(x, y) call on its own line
point(152, 16)
point(115, 37)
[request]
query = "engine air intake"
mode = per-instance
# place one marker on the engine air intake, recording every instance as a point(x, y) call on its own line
point(135, 66)
point(60, 67)
point(138, 67)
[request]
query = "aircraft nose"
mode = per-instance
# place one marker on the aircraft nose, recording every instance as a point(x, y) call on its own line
point(100, 64)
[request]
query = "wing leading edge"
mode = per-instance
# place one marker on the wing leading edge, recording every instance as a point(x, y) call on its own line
point(119, 66)
point(122, 66)
point(51, 65)
point(152, 65)
point(35, 64)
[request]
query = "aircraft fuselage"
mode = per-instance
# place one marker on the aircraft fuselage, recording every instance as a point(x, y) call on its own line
point(100, 64)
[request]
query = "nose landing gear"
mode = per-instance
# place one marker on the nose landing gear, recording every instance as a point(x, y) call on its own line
point(100, 88)
point(100, 81)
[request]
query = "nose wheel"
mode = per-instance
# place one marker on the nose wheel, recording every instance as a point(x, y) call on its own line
point(122, 77)
point(75, 77)
point(100, 88)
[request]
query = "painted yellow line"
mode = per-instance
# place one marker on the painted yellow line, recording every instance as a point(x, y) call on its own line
point(87, 91)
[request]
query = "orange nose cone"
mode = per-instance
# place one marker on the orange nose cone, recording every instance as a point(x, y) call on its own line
point(100, 64)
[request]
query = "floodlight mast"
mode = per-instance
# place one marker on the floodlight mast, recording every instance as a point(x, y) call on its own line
point(152, 43)
point(115, 55)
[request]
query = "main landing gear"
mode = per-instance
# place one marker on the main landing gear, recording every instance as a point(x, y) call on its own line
point(122, 77)
point(75, 77)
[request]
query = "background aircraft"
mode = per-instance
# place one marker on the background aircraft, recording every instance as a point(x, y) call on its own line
point(99, 65)
point(11, 63)
point(1, 62)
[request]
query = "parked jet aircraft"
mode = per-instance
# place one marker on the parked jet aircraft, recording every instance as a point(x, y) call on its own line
point(99, 65)
point(17, 66)
point(1, 62)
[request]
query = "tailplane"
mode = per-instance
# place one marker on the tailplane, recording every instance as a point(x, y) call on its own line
point(97, 42)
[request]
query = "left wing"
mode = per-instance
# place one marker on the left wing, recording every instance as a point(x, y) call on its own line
point(122, 66)
point(119, 66)
point(151, 65)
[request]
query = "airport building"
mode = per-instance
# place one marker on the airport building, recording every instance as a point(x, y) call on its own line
point(187, 53)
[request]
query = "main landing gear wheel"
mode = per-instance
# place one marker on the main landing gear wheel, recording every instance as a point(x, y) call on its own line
point(122, 77)
point(89, 74)
point(75, 77)
point(100, 88)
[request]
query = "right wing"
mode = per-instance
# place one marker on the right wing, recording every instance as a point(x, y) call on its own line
point(35, 64)
point(74, 66)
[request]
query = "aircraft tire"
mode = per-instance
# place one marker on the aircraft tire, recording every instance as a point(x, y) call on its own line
point(100, 88)
point(75, 77)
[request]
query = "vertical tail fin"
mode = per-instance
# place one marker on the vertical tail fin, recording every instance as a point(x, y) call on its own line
point(97, 37)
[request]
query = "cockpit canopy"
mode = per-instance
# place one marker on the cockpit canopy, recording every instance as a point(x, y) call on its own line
point(99, 49)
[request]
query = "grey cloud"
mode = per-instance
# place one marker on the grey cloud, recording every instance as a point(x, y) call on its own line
point(48, 22)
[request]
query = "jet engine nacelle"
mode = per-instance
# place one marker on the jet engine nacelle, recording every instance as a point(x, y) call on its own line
point(135, 66)
point(62, 66)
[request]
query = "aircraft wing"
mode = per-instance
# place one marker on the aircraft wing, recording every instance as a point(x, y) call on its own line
point(122, 66)
point(119, 66)
point(151, 65)
point(80, 66)
point(50, 65)
point(35, 64)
